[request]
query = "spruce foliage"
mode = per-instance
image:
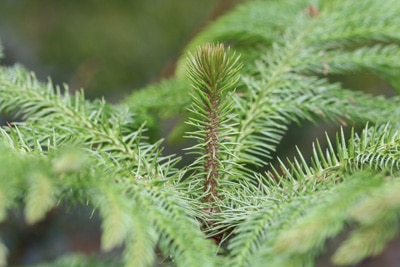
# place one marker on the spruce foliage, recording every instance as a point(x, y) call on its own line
point(236, 204)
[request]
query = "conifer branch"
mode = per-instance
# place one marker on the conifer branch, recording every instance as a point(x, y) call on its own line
point(213, 73)
point(283, 213)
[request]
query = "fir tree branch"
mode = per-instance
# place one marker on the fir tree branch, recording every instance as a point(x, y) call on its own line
point(248, 37)
point(323, 194)
point(109, 130)
point(284, 216)
point(375, 22)
point(377, 215)
point(213, 73)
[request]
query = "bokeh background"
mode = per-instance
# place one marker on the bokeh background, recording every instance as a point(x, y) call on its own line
point(109, 48)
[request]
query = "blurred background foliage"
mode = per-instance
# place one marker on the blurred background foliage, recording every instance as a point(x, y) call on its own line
point(108, 48)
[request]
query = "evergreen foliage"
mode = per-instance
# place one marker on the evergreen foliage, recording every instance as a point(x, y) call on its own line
point(233, 205)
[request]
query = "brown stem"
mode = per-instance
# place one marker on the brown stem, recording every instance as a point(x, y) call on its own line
point(212, 150)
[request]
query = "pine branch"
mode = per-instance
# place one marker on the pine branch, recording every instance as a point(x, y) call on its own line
point(381, 60)
point(283, 216)
point(27, 177)
point(160, 215)
point(377, 214)
point(294, 244)
point(374, 22)
point(108, 130)
point(165, 99)
point(312, 229)
point(249, 37)
point(300, 27)
point(213, 73)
